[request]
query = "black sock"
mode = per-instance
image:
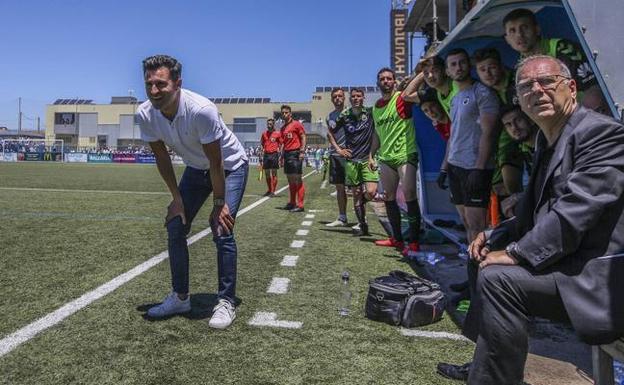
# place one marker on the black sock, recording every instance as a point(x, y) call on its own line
point(413, 217)
point(360, 213)
point(394, 217)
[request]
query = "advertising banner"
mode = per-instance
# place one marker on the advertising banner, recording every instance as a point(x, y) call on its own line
point(140, 158)
point(399, 49)
point(31, 156)
point(76, 158)
point(124, 158)
point(99, 158)
point(52, 156)
point(8, 157)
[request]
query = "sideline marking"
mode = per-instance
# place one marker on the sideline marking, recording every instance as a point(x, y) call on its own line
point(13, 340)
point(297, 244)
point(278, 286)
point(289, 260)
point(324, 184)
point(315, 211)
point(306, 223)
point(262, 318)
point(302, 232)
point(309, 216)
point(434, 335)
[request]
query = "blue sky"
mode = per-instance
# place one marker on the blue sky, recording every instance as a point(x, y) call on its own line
point(265, 48)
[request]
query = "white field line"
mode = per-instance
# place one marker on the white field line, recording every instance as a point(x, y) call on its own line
point(306, 223)
point(309, 216)
point(289, 260)
point(13, 340)
point(434, 335)
point(302, 232)
point(315, 211)
point(324, 184)
point(278, 286)
point(297, 244)
point(270, 319)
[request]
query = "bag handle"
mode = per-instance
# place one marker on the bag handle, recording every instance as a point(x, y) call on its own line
point(409, 278)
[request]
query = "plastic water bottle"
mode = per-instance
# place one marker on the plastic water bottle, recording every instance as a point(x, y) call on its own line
point(618, 372)
point(344, 302)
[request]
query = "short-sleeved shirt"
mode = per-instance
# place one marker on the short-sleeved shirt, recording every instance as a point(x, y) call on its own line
point(338, 132)
point(291, 135)
point(445, 100)
point(395, 128)
point(196, 122)
point(270, 141)
point(466, 108)
point(571, 54)
point(358, 130)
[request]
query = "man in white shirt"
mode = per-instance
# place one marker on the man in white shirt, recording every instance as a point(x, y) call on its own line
point(215, 163)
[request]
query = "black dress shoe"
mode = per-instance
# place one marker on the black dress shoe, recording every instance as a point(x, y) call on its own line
point(454, 372)
point(289, 206)
point(459, 287)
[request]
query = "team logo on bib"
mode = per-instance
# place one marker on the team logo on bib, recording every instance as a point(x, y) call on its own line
point(364, 118)
point(466, 101)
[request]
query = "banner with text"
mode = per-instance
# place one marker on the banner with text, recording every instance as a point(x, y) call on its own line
point(76, 158)
point(399, 49)
point(100, 158)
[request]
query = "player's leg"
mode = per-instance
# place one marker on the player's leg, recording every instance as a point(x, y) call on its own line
point(408, 175)
point(390, 179)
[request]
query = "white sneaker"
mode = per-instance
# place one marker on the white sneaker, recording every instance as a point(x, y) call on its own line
point(224, 313)
point(337, 223)
point(171, 305)
point(333, 194)
point(356, 227)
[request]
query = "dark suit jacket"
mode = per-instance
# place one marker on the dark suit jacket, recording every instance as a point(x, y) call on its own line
point(578, 222)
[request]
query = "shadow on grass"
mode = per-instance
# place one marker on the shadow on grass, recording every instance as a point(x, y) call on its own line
point(201, 308)
point(338, 230)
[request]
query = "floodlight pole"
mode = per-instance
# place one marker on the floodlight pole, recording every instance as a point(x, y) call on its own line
point(19, 116)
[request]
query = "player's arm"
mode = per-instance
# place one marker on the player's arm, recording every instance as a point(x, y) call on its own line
point(414, 83)
point(302, 137)
point(220, 218)
point(165, 169)
point(373, 151)
point(332, 140)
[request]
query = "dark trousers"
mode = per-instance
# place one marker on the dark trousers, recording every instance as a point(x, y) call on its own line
point(506, 298)
point(195, 187)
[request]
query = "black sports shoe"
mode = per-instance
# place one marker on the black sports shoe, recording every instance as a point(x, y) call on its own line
point(454, 372)
point(289, 206)
point(297, 210)
point(459, 287)
point(266, 194)
point(362, 231)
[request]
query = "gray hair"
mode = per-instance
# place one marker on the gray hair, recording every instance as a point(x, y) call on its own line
point(563, 69)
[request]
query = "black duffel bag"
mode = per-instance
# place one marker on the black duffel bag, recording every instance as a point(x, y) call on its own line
point(403, 299)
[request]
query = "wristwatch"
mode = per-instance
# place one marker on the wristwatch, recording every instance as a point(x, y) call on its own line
point(219, 202)
point(512, 251)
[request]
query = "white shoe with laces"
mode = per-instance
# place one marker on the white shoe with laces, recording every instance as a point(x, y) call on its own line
point(337, 223)
point(171, 305)
point(224, 313)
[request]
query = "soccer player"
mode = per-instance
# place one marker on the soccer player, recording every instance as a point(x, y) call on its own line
point(337, 156)
point(432, 108)
point(294, 142)
point(357, 124)
point(394, 142)
point(215, 164)
point(270, 143)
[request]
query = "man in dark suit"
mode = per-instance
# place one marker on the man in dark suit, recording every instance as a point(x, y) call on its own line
point(554, 259)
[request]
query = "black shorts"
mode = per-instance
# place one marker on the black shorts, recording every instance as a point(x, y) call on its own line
point(337, 169)
point(459, 193)
point(292, 163)
point(270, 161)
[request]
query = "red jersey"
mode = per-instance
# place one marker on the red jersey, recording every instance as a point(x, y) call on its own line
point(444, 130)
point(270, 141)
point(291, 135)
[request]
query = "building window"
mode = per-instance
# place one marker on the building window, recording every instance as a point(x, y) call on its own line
point(317, 97)
point(243, 125)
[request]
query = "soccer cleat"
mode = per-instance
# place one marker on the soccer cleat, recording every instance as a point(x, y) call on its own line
point(362, 231)
point(297, 210)
point(410, 249)
point(289, 206)
point(171, 305)
point(454, 372)
point(337, 223)
point(356, 227)
point(335, 193)
point(390, 242)
point(267, 194)
point(223, 314)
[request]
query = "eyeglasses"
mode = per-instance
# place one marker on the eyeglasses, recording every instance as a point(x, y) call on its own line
point(545, 82)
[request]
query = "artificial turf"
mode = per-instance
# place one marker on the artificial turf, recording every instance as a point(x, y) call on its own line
point(58, 244)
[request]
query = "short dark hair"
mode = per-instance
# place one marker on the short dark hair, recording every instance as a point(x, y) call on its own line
point(430, 95)
point(285, 107)
point(153, 63)
point(270, 119)
point(486, 53)
point(457, 51)
point(386, 69)
point(334, 90)
point(356, 89)
point(519, 14)
point(436, 62)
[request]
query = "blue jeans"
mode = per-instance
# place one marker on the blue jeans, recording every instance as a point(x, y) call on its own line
point(195, 187)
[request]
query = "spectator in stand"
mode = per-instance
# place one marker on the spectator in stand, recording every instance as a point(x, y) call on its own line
point(507, 179)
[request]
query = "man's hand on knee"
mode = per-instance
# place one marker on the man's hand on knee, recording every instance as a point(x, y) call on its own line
point(478, 248)
point(175, 208)
point(498, 258)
